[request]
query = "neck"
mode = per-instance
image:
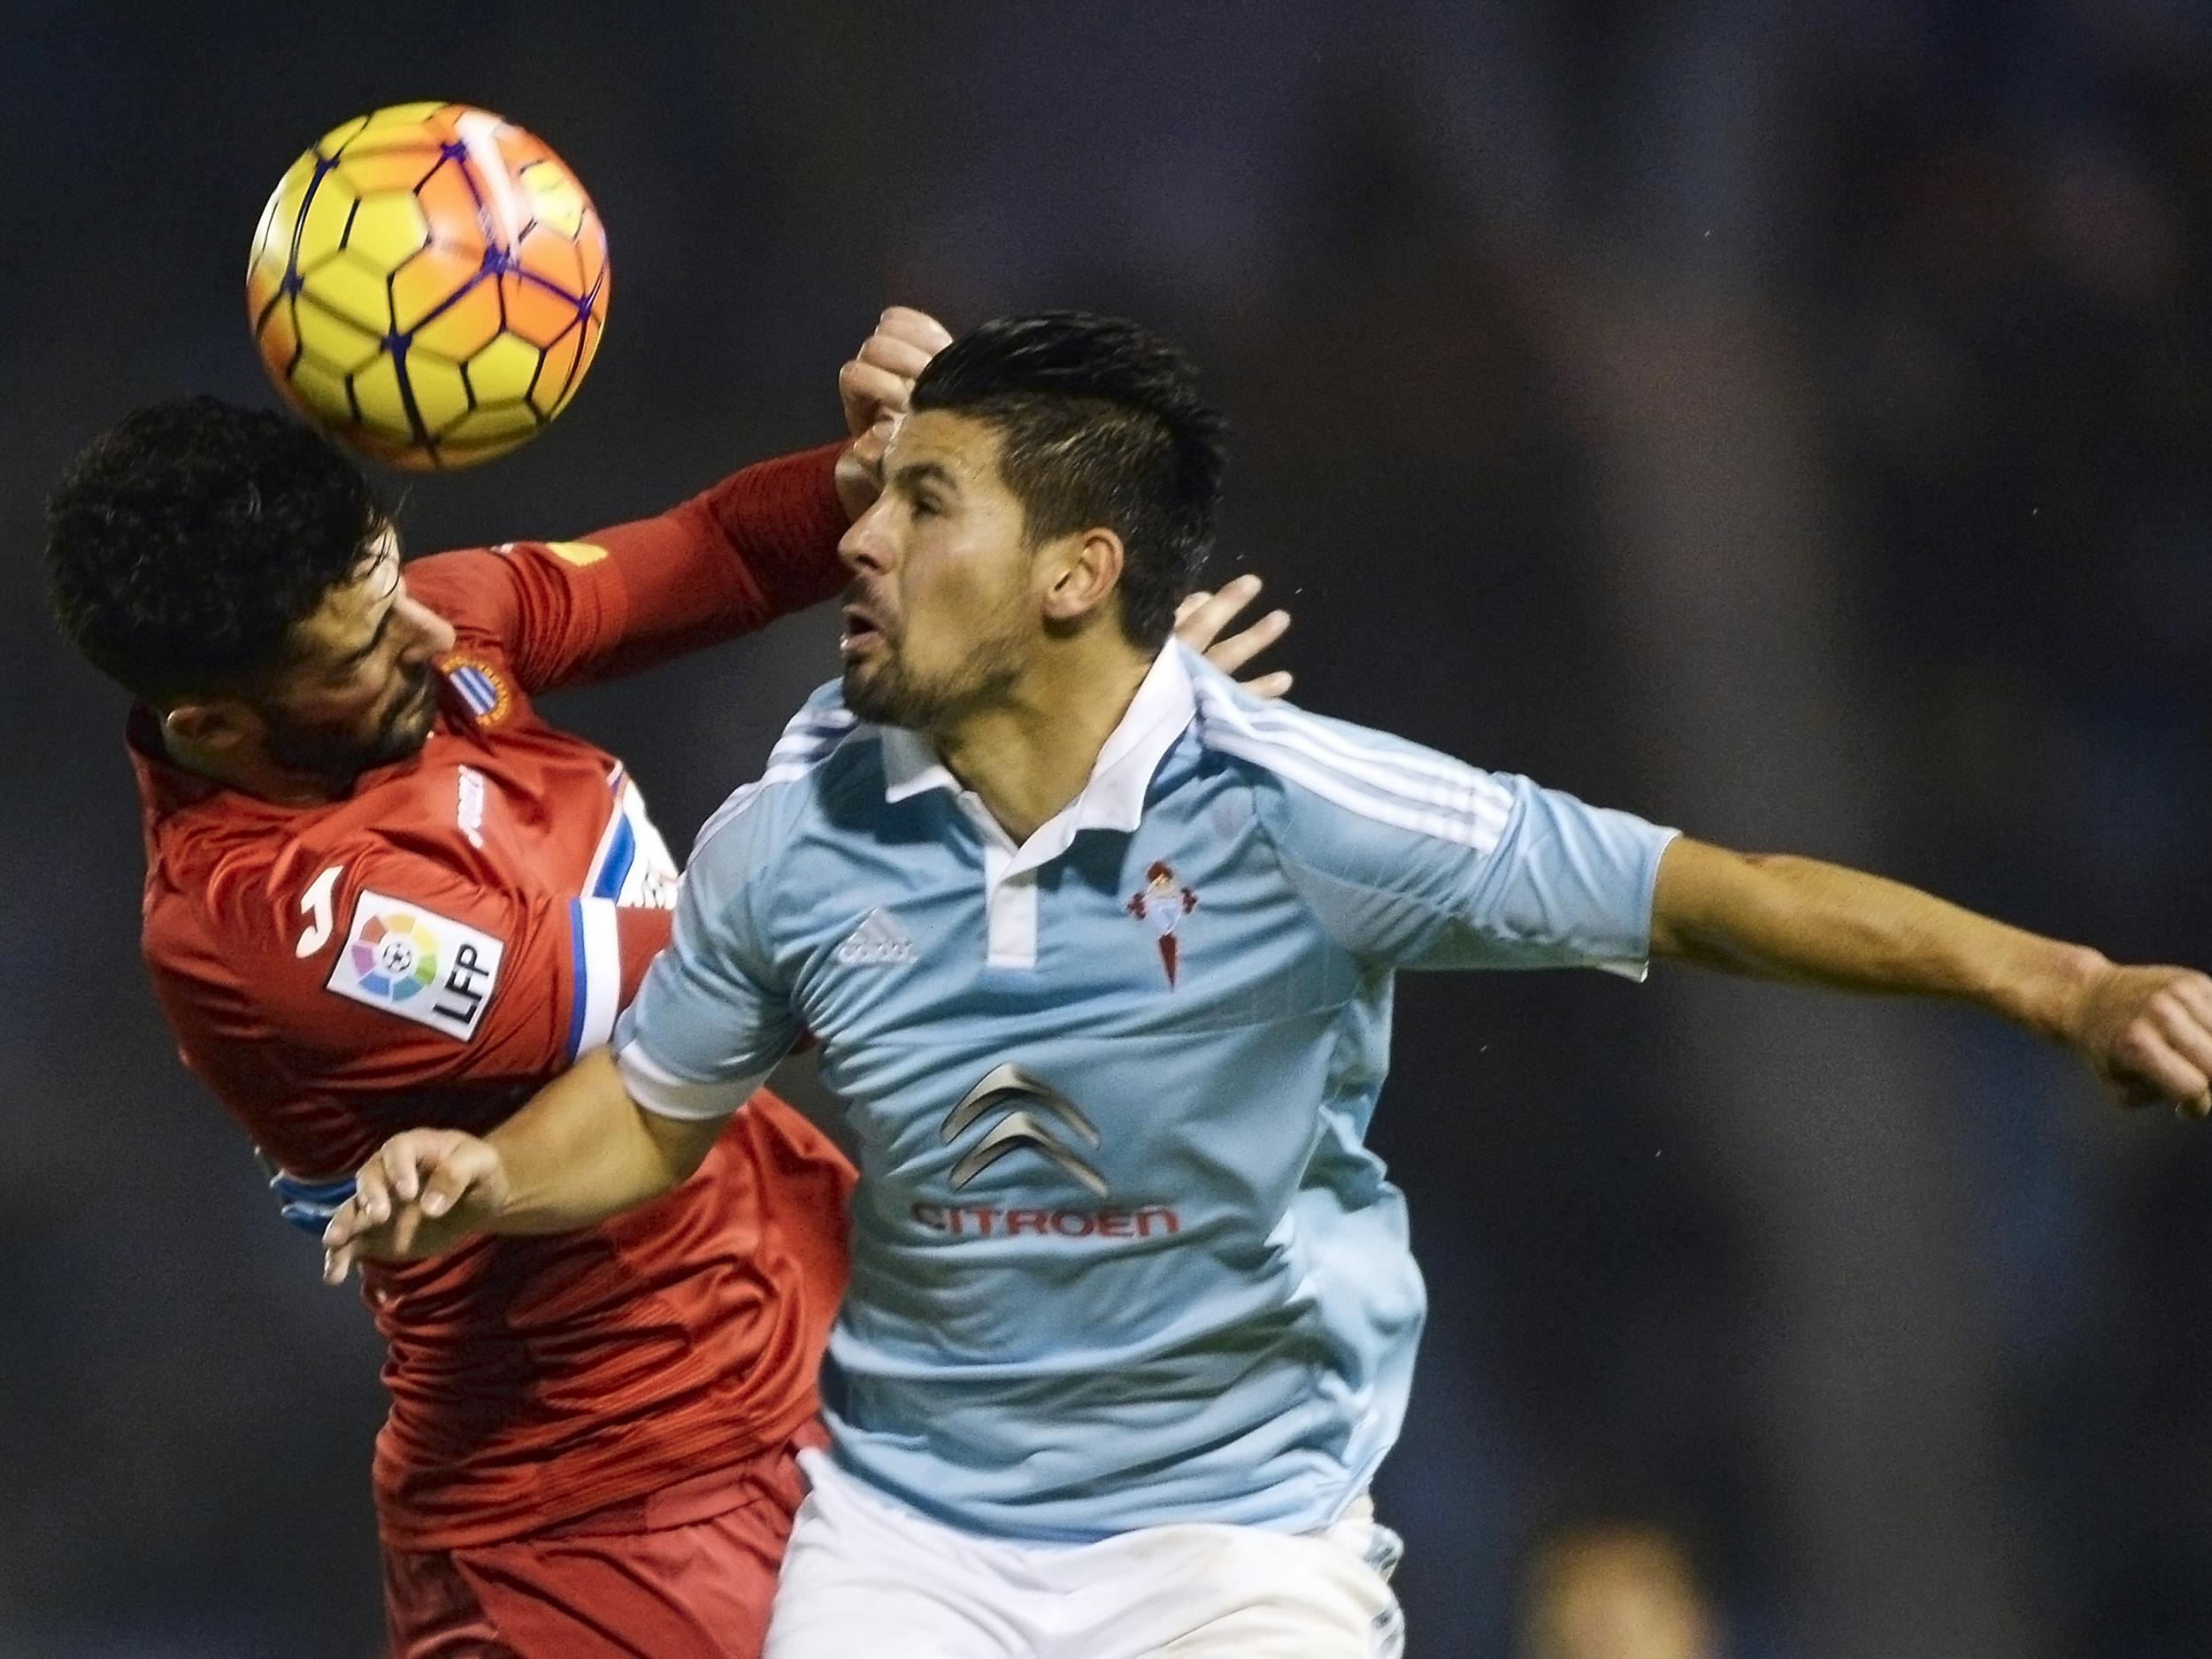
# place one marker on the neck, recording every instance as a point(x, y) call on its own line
point(1031, 751)
point(256, 774)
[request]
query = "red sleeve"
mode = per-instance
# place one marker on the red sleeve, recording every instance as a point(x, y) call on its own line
point(372, 989)
point(759, 545)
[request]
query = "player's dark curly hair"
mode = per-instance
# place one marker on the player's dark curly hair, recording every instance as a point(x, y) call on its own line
point(1100, 423)
point(184, 543)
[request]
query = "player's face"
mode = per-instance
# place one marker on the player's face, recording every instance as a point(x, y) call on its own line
point(362, 688)
point(942, 613)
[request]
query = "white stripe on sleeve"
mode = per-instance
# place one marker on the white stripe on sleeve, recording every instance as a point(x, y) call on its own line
point(660, 1090)
point(601, 987)
point(1430, 795)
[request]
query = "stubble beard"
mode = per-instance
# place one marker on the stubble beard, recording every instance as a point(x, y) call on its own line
point(892, 694)
point(340, 758)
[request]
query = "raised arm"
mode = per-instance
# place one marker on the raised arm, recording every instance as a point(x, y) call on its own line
point(2147, 1031)
point(758, 545)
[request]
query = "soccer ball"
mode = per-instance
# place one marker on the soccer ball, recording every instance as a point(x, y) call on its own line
point(430, 282)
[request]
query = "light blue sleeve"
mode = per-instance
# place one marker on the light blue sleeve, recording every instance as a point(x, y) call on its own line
point(711, 1019)
point(1412, 859)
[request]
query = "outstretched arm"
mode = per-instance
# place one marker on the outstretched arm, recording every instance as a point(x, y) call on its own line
point(579, 1152)
point(2147, 1031)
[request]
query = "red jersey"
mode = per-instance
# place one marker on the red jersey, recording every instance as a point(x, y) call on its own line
point(431, 948)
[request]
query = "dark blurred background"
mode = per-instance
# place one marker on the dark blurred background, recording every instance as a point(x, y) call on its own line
point(1787, 418)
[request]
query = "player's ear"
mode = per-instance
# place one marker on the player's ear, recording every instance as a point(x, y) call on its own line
point(210, 724)
point(1079, 572)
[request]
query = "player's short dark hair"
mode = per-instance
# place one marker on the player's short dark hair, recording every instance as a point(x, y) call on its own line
point(186, 543)
point(1100, 423)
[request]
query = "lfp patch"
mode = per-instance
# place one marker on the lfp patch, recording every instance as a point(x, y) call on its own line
point(395, 957)
point(414, 963)
point(481, 686)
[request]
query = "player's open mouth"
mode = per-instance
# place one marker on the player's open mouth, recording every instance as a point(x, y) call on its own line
point(860, 635)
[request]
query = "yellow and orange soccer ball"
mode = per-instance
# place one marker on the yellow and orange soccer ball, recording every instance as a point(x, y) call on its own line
point(430, 282)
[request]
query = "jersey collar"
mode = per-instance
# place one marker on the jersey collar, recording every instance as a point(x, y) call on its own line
point(1114, 796)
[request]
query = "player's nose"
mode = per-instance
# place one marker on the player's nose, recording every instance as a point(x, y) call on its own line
point(866, 544)
point(433, 635)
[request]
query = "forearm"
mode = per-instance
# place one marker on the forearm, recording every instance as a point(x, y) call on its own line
point(582, 1150)
point(1779, 917)
point(781, 521)
point(755, 546)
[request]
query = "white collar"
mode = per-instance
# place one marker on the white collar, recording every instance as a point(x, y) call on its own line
point(1114, 796)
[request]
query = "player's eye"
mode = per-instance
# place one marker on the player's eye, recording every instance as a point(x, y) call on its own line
point(367, 662)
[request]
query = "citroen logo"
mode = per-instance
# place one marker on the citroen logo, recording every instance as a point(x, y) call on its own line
point(1024, 1126)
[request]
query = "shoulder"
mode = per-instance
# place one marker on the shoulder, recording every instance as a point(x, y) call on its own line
point(1314, 776)
point(258, 882)
point(824, 753)
point(247, 951)
point(236, 882)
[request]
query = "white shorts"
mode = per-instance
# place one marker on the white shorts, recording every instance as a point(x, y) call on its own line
point(866, 1576)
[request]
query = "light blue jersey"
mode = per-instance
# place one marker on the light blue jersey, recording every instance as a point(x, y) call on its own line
point(1120, 1255)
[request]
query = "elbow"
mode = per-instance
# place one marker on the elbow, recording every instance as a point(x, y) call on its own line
point(1702, 897)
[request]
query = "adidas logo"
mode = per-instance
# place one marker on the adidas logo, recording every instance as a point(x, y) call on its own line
point(877, 941)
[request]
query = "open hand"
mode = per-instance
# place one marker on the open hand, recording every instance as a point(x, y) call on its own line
point(1202, 616)
point(2147, 1035)
point(422, 1194)
point(877, 387)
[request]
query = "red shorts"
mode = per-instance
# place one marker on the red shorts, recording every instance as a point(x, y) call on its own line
point(687, 1573)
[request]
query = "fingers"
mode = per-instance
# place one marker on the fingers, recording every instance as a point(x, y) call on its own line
point(885, 389)
point(1202, 616)
point(341, 1241)
point(394, 1177)
point(372, 1200)
point(918, 328)
point(880, 378)
point(455, 1178)
point(359, 1223)
point(868, 392)
point(2148, 1061)
point(2194, 992)
point(1239, 648)
point(2193, 1016)
point(2183, 1022)
point(396, 1159)
point(346, 1223)
point(902, 357)
point(867, 449)
point(413, 1178)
